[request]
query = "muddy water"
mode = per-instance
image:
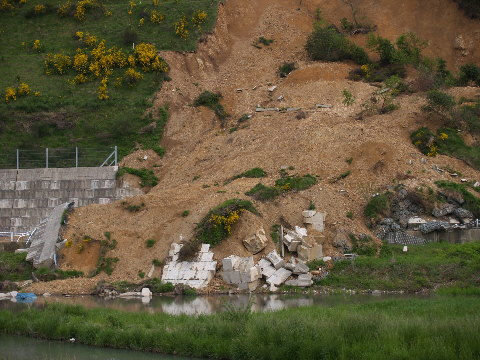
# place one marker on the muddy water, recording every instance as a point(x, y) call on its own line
point(22, 348)
point(196, 305)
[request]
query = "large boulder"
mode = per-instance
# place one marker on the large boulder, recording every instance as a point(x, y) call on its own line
point(432, 226)
point(257, 242)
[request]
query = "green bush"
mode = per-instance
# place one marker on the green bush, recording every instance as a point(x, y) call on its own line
point(252, 173)
point(262, 192)
point(363, 245)
point(407, 49)
point(185, 213)
point(285, 69)
point(14, 267)
point(297, 183)
point(150, 243)
point(158, 287)
point(326, 44)
point(469, 73)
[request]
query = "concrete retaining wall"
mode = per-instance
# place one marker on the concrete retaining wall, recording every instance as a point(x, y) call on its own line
point(27, 196)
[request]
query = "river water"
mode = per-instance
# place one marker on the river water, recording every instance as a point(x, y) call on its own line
point(197, 305)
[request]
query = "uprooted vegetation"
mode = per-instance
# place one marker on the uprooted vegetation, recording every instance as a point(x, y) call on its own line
point(284, 184)
point(217, 225)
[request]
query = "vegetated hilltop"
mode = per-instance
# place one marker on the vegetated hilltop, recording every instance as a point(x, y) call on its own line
point(354, 149)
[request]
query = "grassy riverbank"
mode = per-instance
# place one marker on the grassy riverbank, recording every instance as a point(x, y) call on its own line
point(435, 328)
point(423, 267)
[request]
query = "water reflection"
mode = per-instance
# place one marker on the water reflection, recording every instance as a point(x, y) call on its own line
point(198, 305)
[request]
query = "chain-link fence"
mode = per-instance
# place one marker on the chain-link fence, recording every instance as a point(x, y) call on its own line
point(58, 157)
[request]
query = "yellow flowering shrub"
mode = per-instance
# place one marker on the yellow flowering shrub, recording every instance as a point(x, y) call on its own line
point(443, 136)
point(39, 9)
point(132, 76)
point(156, 17)
point(23, 89)
point(80, 8)
point(5, 5)
point(79, 79)
point(57, 63)
point(147, 57)
point(181, 28)
point(80, 62)
point(226, 221)
point(10, 94)
point(141, 21)
point(131, 6)
point(37, 46)
point(36, 93)
point(199, 17)
point(102, 90)
point(155, 2)
point(64, 9)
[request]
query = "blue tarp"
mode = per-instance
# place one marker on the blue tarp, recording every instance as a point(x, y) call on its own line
point(26, 297)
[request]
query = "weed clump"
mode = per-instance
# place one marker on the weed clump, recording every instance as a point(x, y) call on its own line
point(252, 174)
point(147, 176)
point(287, 183)
point(212, 101)
point(377, 206)
point(363, 245)
point(285, 69)
point(150, 243)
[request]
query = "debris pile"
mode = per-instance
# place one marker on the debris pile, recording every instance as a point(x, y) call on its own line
point(241, 271)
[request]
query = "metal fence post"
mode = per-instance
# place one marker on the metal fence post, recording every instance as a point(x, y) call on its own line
point(46, 158)
point(76, 156)
point(116, 156)
point(18, 159)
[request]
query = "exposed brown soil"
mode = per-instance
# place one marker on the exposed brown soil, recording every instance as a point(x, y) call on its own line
point(198, 147)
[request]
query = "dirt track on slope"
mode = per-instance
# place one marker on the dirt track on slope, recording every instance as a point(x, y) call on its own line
point(198, 147)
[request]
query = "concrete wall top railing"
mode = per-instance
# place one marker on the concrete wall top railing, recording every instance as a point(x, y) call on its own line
point(27, 196)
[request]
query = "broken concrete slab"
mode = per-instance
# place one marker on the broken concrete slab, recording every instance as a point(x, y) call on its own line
point(300, 268)
point(310, 253)
point(279, 277)
point(260, 109)
point(304, 280)
point(275, 259)
point(314, 219)
point(257, 242)
point(241, 272)
point(292, 240)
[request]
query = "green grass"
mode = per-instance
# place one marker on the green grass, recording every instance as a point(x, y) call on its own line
point(67, 115)
point(13, 267)
point(435, 328)
point(422, 267)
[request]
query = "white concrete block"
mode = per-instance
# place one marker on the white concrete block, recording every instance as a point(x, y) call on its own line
point(279, 277)
point(275, 259)
point(208, 256)
point(205, 248)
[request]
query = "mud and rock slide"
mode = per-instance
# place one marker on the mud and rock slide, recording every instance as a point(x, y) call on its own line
point(201, 154)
